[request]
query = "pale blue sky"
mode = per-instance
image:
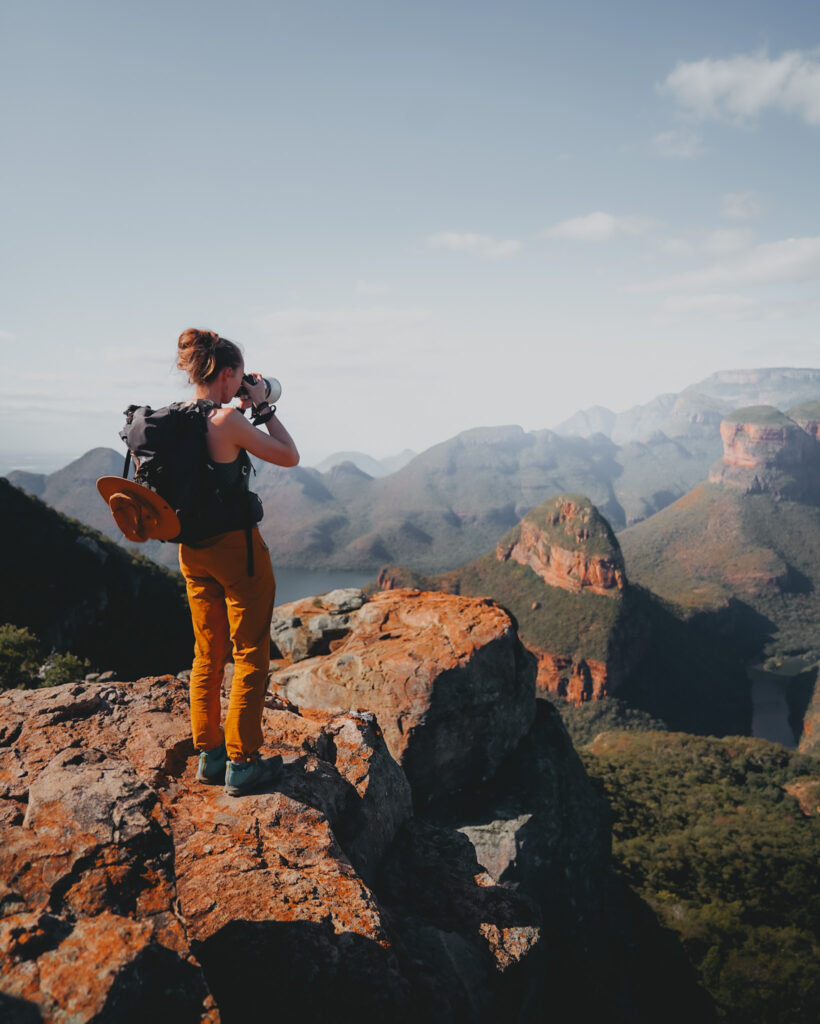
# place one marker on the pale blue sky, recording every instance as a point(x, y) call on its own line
point(421, 217)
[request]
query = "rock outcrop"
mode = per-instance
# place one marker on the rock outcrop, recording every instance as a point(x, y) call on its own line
point(766, 452)
point(809, 740)
point(446, 676)
point(129, 889)
point(569, 545)
point(576, 679)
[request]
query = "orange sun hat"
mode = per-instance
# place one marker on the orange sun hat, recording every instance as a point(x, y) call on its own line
point(140, 513)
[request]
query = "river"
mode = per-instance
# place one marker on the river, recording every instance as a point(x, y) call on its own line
point(291, 584)
point(770, 711)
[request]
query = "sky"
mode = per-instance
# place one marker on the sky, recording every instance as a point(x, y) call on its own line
point(421, 217)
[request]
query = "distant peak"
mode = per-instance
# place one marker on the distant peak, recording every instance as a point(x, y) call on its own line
point(766, 451)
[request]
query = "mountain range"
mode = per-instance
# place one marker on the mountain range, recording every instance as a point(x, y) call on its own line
point(666, 614)
point(453, 501)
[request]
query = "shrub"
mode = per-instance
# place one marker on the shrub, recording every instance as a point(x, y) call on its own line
point(22, 666)
point(62, 668)
point(19, 657)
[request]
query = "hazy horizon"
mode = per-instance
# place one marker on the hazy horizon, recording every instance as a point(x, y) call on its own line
point(419, 217)
point(48, 461)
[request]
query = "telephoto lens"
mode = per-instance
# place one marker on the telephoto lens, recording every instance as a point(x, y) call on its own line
point(273, 389)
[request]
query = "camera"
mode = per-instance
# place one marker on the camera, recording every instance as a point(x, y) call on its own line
point(273, 389)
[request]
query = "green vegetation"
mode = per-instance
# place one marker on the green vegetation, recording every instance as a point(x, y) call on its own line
point(23, 667)
point(707, 832)
point(549, 618)
point(586, 721)
point(716, 545)
point(805, 411)
point(765, 415)
point(19, 657)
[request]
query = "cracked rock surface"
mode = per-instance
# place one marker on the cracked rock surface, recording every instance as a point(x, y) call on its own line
point(447, 677)
point(130, 890)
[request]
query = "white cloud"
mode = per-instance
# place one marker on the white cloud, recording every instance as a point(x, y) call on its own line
point(678, 144)
point(720, 242)
point(344, 324)
point(598, 227)
point(740, 205)
point(155, 355)
point(790, 260)
point(480, 245)
point(724, 241)
point(6, 336)
point(712, 304)
point(741, 87)
point(370, 288)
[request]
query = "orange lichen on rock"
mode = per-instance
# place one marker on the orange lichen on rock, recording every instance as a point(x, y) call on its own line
point(446, 677)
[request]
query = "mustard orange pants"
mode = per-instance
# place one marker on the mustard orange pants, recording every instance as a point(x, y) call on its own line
point(230, 611)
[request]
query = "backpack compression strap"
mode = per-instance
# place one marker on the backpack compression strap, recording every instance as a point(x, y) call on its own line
point(249, 544)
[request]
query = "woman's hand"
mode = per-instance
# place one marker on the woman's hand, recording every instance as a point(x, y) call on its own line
point(257, 392)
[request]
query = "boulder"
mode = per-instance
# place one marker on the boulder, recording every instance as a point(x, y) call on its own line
point(446, 676)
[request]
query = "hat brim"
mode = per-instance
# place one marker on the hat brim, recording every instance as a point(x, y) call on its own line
point(153, 518)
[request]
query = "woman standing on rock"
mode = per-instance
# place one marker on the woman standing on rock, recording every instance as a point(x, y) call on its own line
point(228, 576)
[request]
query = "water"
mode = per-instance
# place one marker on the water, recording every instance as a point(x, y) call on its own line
point(770, 712)
point(291, 584)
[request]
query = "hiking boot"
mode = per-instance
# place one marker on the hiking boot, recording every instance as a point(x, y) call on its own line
point(242, 778)
point(211, 767)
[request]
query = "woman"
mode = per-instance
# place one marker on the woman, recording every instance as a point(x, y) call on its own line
point(230, 607)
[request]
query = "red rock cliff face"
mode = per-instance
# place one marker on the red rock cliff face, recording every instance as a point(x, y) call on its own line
point(559, 567)
point(576, 679)
point(780, 458)
point(761, 446)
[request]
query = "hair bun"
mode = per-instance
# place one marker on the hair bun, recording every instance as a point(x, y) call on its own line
point(201, 354)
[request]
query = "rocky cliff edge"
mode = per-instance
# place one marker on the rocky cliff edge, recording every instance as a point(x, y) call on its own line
point(131, 891)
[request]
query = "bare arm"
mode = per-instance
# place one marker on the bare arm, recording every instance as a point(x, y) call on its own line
point(276, 446)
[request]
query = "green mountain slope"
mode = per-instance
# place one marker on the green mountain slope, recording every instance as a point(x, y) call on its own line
point(78, 591)
point(717, 546)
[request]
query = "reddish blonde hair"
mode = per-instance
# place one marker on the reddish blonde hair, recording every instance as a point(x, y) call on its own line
point(202, 354)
